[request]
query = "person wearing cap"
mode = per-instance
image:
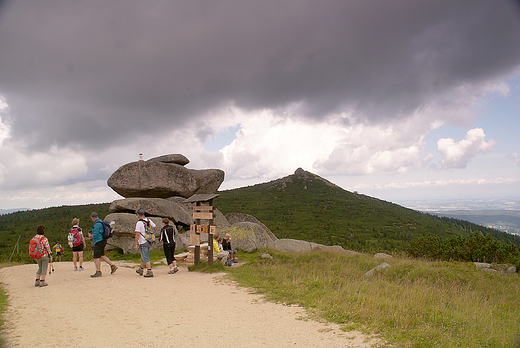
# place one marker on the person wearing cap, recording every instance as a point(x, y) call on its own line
point(99, 245)
point(142, 244)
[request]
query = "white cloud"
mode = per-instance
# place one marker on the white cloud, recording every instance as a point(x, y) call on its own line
point(458, 154)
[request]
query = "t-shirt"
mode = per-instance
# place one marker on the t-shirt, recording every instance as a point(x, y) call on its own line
point(141, 229)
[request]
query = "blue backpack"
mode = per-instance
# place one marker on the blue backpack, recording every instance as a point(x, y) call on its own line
point(108, 231)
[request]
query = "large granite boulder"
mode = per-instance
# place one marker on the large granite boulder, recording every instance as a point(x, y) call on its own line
point(155, 179)
point(174, 211)
point(234, 218)
point(248, 236)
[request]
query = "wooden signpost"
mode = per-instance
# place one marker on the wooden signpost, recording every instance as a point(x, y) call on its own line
point(202, 210)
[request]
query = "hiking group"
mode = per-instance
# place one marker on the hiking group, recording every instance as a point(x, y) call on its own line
point(40, 250)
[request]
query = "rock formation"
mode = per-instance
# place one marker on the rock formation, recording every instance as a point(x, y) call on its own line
point(161, 185)
point(163, 177)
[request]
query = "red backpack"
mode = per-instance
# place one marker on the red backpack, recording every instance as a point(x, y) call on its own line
point(74, 237)
point(36, 249)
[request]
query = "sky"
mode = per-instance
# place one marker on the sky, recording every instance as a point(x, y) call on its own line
point(400, 100)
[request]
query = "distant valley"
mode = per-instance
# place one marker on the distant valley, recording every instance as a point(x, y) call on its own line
point(502, 220)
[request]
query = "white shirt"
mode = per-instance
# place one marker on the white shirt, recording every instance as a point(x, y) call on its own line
point(141, 229)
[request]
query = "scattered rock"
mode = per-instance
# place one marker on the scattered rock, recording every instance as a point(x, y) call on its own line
point(267, 256)
point(381, 266)
point(382, 256)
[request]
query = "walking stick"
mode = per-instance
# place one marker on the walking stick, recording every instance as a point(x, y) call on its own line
point(50, 264)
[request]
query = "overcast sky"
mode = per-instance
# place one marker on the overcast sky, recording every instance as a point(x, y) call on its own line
point(399, 100)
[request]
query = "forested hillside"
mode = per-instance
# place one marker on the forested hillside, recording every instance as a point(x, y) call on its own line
point(307, 207)
point(57, 222)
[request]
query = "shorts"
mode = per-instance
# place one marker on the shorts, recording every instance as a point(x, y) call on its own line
point(78, 248)
point(58, 253)
point(169, 250)
point(99, 249)
point(144, 250)
point(231, 252)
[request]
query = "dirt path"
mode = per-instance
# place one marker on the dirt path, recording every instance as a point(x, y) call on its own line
point(187, 309)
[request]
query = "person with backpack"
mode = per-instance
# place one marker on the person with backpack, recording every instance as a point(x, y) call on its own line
point(144, 237)
point(99, 246)
point(168, 239)
point(78, 244)
point(58, 249)
point(40, 251)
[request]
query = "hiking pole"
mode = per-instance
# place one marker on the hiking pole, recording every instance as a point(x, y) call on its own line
point(51, 265)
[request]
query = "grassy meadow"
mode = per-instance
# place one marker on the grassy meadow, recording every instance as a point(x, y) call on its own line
point(413, 303)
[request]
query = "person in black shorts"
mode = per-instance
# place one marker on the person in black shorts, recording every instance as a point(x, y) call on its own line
point(78, 244)
point(168, 239)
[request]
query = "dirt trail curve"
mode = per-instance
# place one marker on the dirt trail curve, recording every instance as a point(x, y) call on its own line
point(187, 309)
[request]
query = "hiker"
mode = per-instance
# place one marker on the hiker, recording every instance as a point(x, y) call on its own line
point(218, 252)
point(78, 244)
point(58, 249)
point(142, 244)
point(99, 246)
point(45, 257)
point(168, 239)
point(226, 245)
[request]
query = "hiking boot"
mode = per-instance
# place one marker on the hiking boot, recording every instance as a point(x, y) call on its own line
point(42, 284)
point(139, 271)
point(37, 283)
point(97, 274)
point(148, 274)
point(113, 268)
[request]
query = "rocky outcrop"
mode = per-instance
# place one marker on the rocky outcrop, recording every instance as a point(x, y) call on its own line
point(234, 218)
point(248, 236)
point(158, 179)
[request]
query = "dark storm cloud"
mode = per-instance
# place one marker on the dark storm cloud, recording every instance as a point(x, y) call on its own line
point(146, 66)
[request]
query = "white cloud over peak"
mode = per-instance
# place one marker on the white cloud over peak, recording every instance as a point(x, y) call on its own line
point(458, 154)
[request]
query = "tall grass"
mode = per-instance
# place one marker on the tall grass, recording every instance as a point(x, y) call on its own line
point(410, 304)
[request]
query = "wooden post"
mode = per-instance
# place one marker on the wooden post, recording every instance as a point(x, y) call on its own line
point(196, 259)
point(210, 235)
point(15, 247)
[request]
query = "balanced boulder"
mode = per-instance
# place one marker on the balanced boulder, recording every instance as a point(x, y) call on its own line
point(157, 179)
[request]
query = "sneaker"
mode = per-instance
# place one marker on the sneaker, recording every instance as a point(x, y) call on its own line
point(171, 271)
point(113, 268)
point(75, 268)
point(148, 274)
point(235, 261)
point(81, 268)
point(175, 270)
point(139, 271)
point(97, 274)
point(37, 283)
point(42, 284)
